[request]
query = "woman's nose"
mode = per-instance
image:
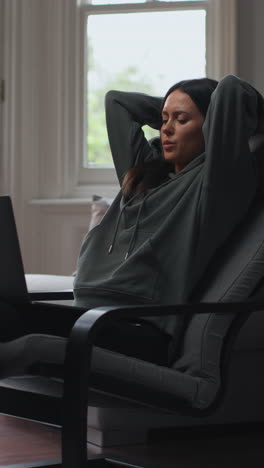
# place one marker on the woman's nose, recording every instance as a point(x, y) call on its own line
point(168, 128)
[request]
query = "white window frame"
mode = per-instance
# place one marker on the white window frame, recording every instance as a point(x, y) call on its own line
point(220, 60)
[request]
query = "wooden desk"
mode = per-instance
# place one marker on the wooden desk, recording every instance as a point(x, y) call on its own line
point(26, 441)
point(23, 441)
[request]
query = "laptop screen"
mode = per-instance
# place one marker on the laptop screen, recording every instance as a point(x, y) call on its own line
point(13, 287)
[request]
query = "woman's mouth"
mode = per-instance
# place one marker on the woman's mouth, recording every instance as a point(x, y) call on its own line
point(168, 144)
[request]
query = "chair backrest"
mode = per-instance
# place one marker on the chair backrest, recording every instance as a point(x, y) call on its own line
point(234, 275)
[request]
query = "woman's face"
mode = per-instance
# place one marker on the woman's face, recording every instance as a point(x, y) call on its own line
point(181, 131)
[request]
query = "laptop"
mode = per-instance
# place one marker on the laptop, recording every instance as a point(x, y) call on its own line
point(13, 287)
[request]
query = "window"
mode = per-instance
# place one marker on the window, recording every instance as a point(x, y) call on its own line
point(141, 46)
point(145, 61)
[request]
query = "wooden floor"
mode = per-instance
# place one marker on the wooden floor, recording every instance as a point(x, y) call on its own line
point(24, 441)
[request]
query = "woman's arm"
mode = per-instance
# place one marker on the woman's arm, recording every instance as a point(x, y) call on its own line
point(230, 177)
point(126, 113)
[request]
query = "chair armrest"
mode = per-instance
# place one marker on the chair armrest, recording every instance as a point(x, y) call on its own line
point(78, 362)
point(94, 319)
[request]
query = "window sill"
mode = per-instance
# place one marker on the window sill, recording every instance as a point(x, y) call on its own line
point(84, 191)
point(60, 201)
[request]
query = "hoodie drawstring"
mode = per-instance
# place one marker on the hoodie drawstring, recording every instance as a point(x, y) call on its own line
point(118, 222)
point(134, 230)
point(133, 236)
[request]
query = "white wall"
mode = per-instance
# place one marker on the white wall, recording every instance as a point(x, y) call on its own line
point(39, 140)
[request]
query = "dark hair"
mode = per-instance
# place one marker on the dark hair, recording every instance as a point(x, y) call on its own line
point(151, 174)
point(199, 90)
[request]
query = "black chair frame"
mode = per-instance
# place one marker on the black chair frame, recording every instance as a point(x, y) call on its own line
point(78, 377)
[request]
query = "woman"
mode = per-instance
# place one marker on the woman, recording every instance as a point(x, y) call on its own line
point(179, 201)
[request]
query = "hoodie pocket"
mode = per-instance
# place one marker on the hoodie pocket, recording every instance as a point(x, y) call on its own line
point(137, 276)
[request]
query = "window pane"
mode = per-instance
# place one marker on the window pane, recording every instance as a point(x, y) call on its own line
point(146, 52)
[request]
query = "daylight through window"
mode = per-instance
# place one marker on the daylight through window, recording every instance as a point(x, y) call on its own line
point(145, 51)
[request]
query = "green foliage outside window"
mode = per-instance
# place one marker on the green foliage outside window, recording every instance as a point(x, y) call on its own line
point(98, 150)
